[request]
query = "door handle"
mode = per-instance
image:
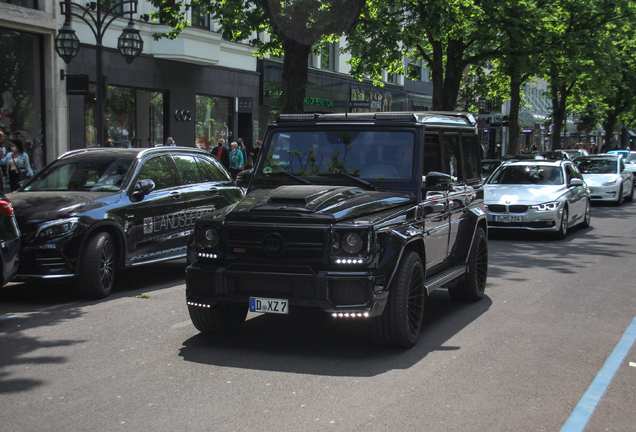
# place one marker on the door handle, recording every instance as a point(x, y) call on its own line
point(214, 191)
point(175, 195)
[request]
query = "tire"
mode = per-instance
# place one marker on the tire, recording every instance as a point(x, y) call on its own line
point(588, 215)
point(630, 198)
point(472, 285)
point(97, 275)
point(563, 228)
point(222, 319)
point(619, 200)
point(401, 322)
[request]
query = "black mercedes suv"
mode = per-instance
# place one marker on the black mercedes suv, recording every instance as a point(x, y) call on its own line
point(94, 211)
point(358, 215)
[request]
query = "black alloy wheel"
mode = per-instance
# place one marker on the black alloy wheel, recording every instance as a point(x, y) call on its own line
point(401, 322)
point(97, 273)
point(472, 285)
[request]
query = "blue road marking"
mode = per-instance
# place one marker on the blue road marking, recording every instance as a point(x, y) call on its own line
point(583, 411)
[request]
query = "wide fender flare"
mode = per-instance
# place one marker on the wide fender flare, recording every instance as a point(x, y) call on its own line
point(115, 230)
point(397, 242)
point(475, 218)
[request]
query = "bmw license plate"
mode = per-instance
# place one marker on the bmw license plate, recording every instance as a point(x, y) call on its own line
point(268, 305)
point(506, 218)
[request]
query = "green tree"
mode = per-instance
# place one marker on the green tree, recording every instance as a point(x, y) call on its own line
point(294, 28)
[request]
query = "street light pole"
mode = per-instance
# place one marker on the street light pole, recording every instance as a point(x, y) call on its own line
point(99, 17)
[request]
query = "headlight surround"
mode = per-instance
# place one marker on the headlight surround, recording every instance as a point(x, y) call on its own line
point(348, 242)
point(609, 182)
point(209, 237)
point(549, 206)
point(56, 228)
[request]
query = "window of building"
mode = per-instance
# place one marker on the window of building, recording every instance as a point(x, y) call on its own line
point(328, 56)
point(213, 118)
point(200, 17)
point(21, 98)
point(31, 4)
point(119, 116)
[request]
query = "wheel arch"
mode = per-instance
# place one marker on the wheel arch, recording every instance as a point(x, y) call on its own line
point(115, 231)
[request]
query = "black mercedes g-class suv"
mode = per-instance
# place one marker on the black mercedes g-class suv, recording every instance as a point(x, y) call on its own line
point(359, 215)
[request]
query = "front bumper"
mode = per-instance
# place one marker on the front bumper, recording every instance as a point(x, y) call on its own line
point(524, 218)
point(337, 292)
point(51, 260)
point(604, 193)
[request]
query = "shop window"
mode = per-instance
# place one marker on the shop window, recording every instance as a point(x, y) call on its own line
point(213, 118)
point(21, 100)
point(157, 128)
point(119, 117)
point(31, 4)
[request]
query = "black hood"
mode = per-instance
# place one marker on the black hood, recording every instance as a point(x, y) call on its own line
point(34, 207)
point(316, 203)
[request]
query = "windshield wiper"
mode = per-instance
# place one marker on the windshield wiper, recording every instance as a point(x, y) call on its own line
point(358, 180)
point(296, 176)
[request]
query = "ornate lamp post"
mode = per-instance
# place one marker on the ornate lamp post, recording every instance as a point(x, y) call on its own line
point(99, 16)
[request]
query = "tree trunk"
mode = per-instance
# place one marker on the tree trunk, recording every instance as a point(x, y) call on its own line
point(295, 75)
point(454, 74)
point(609, 124)
point(513, 117)
point(438, 76)
point(557, 119)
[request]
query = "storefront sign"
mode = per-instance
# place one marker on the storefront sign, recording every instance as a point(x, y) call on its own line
point(360, 104)
point(318, 101)
point(76, 85)
point(182, 115)
point(245, 104)
point(526, 131)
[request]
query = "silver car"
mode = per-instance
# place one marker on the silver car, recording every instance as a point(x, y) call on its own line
point(607, 178)
point(537, 195)
point(630, 164)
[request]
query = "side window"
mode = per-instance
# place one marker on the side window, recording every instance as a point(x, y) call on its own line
point(431, 153)
point(212, 171)
point(575, 172)
point(450, 154)
point(622, 165)
point(470, 152)
point(569, 174)
point(188, 170)
point(158, 170)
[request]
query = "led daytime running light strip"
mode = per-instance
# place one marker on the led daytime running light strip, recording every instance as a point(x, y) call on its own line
point(349, 261)
point(350, 315)
point(207, 255)
point(199, 305)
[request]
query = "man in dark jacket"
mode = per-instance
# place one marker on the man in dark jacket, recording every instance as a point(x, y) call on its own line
point(221, 152)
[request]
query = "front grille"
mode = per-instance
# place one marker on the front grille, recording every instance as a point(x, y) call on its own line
point(292, 287)
point(298, 244)
point(497, 208)
point(348, 292)
point(518, 208)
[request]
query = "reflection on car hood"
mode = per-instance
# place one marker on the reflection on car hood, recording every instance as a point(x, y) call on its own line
point(44, 206)
point(315, 202)
point(598, 179)
point(522, 194)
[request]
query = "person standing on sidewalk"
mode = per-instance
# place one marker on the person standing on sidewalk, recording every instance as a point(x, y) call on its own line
point(236, 160)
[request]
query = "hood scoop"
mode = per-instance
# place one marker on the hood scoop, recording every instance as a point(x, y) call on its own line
point(296, 195)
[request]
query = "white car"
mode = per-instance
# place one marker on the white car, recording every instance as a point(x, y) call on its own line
point(630, 164)
point(537, 195)
point(607, 178)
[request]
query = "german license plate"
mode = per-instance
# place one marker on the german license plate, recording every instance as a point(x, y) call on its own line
point(506, 218)
point(268, 305)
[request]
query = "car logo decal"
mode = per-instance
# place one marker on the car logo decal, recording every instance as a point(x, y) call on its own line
point(148, 225)
point(273, 244)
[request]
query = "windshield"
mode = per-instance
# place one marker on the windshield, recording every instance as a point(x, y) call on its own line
point(597, 166)
point(83, 174)
point(364, 154)
point(528, 175)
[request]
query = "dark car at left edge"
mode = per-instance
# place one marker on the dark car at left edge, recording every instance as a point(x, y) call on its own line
point(93, 212)
point(9, 242)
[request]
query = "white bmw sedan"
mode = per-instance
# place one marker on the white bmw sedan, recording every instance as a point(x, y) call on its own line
point(607, 178)
point(537, 195)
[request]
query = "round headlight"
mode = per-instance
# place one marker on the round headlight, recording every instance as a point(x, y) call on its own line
point(351, 243)
point(210, 237)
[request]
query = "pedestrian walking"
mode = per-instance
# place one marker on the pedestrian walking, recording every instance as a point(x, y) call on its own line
point(222, 153)
point(18, 164)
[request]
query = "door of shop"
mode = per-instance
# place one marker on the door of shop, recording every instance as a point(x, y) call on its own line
point(150, 118)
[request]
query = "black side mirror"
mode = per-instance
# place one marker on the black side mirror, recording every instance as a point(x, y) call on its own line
point(142, 188)
point(243, 178)
point(437, 180)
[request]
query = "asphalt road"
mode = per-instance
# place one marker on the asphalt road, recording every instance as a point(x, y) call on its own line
point(519, 360)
